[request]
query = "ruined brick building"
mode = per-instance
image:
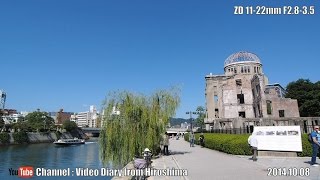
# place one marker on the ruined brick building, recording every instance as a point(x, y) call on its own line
point(242, 97)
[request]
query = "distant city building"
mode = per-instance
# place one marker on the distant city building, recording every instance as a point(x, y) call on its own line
point(12, 116)
point(60, 117)
point(9, 111)
point(242, 93)
point(86, 119)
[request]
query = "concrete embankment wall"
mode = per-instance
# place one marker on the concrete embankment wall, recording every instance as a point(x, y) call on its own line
point(49, 137)
point(37, 137)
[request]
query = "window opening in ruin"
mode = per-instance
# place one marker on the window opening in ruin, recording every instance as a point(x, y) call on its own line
point(254, 69)
point(281, 113)
point(242, 114)
point(248, 69)
point(240, 98)
point(215, 98)
point(258, 89)
point(216, 113)
point(269, 107)
point(238, 82)
point(245, 69)
point(229, 69)
point(316, 122)
point(241, 69)
point(235, 70)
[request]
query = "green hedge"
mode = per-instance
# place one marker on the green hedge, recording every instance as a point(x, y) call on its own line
point(306, 147)
point(20, 137)
point(4, 138)
point(237, 144)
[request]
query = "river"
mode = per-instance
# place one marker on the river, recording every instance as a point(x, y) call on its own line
point(71, 159)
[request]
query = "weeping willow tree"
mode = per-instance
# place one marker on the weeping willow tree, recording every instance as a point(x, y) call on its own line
point(132, 122)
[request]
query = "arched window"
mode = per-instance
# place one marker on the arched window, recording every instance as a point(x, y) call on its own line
point(269, 107)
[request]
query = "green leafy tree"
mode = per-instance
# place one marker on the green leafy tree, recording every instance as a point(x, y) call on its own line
point(98, 121)
point(1, 123)
point(69, 125)
point(22, 125)
point(39, 120)
point(308, 96)
point(133, 122)
point(201, 115)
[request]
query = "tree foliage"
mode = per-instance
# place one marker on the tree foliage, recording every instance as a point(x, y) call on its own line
point(308, 96)
point(201, 115)
point(22, 125)
point(39, 120)
point(20, 137)
point(4, 137)
point(69, 125)
point(1, 122)
point(139, 125)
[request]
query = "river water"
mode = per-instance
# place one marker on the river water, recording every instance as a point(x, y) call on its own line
point(49, 156)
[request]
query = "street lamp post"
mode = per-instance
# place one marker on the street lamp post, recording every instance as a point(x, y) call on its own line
point(191, 112)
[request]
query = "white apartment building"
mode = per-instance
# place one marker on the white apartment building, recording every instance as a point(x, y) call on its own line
point(86, 119)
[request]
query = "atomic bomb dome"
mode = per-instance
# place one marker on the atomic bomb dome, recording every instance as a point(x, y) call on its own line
point(243, 98)
point(241, 57)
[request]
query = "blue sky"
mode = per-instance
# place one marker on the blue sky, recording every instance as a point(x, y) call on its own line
point(70, 54)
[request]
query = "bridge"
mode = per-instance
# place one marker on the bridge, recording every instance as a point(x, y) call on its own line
point(91, 132)
point(95, 132)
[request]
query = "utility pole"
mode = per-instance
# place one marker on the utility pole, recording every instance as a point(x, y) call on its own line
point(191, 112)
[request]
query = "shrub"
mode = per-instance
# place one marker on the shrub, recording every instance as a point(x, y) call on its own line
point(4, 138)
point(237, 144)
point(69, 125)
point(20, 137)
point(306, 147)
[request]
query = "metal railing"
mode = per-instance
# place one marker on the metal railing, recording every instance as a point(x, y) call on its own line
point(249, 130)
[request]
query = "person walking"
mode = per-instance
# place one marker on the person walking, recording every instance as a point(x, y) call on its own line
point(253, 142)
point(191, 139)
point(315, 146)
point(201, 138)
point(166, 144)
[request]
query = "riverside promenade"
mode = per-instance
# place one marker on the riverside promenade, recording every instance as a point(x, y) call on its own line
point(206, 164)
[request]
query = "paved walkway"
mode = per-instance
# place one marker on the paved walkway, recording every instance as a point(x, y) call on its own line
point(206, 164)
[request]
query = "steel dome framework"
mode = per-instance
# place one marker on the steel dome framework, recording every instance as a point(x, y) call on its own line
point(241, 56)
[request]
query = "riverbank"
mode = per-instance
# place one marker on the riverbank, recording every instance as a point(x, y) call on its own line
point(40, 137)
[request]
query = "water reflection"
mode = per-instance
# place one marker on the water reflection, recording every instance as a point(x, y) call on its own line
point(50, 156)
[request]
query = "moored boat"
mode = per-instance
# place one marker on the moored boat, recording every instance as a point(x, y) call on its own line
point(74, 141)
